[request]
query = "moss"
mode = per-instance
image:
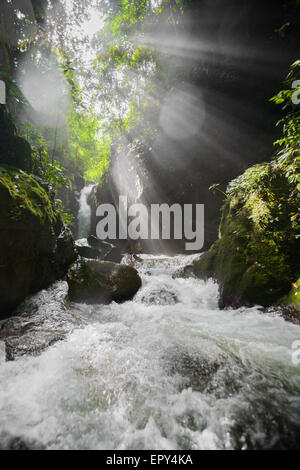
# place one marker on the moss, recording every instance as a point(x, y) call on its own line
point(25, 195)
point(36, 248)
point(293, 298)
point(257, 254)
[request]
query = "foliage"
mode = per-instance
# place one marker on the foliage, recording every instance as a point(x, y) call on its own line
point(110, 91)
point(89, 147)
point(26, 195)
point(257, 255)
point(250, 180)
point(50, 170)
point(288, 155)
point(215, 187)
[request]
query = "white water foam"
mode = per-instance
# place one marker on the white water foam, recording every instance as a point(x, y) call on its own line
point(167, 370)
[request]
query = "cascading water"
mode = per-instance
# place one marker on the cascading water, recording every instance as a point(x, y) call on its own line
point(85, 212)
point(167, 370)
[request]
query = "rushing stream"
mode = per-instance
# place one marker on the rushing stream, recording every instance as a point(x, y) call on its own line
point(167, 370)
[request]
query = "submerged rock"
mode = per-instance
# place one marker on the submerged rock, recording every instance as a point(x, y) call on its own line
point(160, 297)
point(92, 281)
point(40, 321)
point(196, 372)
point(288, 312)
point(114, 254)
point(8, 442)
point(36, 248)
point(97, 243)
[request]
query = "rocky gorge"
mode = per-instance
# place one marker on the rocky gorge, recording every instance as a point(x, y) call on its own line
point(138, 342)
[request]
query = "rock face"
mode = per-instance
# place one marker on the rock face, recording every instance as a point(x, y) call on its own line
point(14, 150)
point(87, 251)
point(257, 256)
point(36, 248)
point(92, 281)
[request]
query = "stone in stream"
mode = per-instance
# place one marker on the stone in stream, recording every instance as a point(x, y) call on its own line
point(114, 254)
point(9, 442)
point(87, 252)
point(93, 282)
point(94, 248)
point(109, 252)
point(97, 243)
point(196, 372)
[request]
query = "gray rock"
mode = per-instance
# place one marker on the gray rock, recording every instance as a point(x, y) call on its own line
point(88, 252)
point(92, 281)
point(109, 252)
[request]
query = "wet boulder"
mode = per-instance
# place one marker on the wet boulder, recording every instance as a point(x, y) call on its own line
point(114, 254)
point(256, 258)
point(97, 243)
point(109, 252)
point(87, 251)
point(92, 281)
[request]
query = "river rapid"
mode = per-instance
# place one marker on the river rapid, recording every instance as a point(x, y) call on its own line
point(167, 370)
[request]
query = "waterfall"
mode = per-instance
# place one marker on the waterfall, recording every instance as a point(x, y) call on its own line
point(85, 211)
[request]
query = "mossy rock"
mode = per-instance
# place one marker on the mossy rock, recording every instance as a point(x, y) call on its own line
point(21, 194)
point(36, 248)
point(293, 297)
point(256, 256)
point(93, 282)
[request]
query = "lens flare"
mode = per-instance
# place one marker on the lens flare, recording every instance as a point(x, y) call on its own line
point(182, 113)
point(47, 93)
